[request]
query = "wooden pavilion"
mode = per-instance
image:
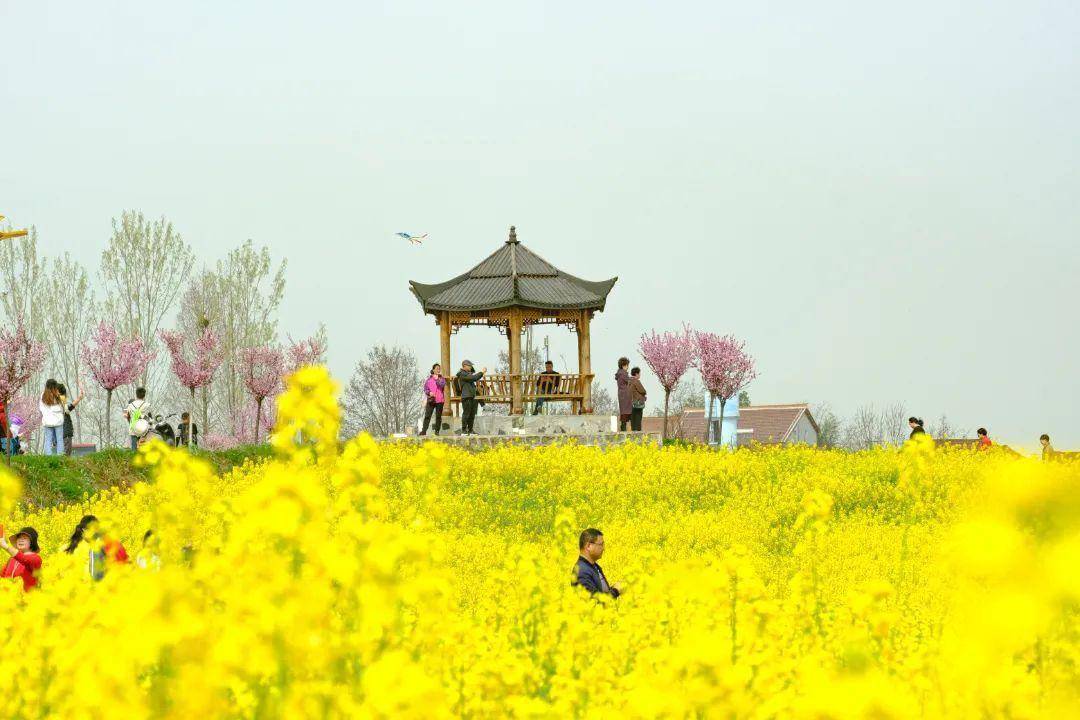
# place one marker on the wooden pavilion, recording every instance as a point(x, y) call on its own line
point(512, 289)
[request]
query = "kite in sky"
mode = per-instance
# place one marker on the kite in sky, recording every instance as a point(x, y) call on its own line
point(414, 239)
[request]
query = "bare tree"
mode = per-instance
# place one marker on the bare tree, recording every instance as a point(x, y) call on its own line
point(143, 271)
point(863, 431)
point(894, 427)
point(239, 299)
point(603, 403)
point(943, 429)
point(870, 427)
point(72, 309)
point(383, 395)
point(22, 276)
point(830, 429)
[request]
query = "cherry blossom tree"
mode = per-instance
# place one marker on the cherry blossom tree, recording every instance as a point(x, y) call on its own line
point(113, 362)
point(669, 355)
point(261, 369)
point(198, 371)
point(25, 414)
point(243, 427)
point(725, 369)
point(20, 358)
point(309, 351)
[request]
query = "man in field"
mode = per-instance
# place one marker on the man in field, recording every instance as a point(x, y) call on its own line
point(587, 573)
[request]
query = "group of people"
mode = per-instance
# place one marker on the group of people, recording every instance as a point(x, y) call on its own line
point(58, 427)
point(435, 396)
point(984, 441)
point(631, 394)
point(103, 550)
point(56, 421)
point(138, 417)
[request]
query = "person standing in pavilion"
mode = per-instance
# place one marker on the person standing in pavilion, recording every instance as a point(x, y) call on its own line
point(434, 397)
point(622, 383)
point(466, 382)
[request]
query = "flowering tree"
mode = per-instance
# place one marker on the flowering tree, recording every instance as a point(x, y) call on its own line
point(243, 427)
point(20, 358)
point(25, 414)
point(309, 351)
point(669, 356)
point(725, 368)
point(199, 370)
point(261, 369)
point(113, 362)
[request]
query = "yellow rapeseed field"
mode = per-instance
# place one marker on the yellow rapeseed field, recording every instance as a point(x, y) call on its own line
point(383, 580)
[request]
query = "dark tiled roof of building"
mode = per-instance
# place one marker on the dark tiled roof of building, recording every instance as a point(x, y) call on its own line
point(513, 276)
point(769, 424)
point(765, 424)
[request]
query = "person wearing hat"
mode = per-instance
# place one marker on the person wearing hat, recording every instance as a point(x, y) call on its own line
point(24, 561)
point(466, 382)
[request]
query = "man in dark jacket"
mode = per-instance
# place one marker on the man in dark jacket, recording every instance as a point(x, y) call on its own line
point(587, 573)
point(466, 381)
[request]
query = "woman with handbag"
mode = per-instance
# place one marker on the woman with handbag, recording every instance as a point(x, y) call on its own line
point(637, 399)
point(434, 398)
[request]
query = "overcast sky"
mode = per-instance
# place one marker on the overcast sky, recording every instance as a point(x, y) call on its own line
point(883, 199)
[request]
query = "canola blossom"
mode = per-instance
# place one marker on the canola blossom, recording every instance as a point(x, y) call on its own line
point(368, 580)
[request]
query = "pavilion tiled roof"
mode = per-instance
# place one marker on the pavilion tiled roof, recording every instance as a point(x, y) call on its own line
point(513, 275)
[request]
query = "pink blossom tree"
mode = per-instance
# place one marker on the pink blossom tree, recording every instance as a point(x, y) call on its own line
point(261, 369)
point(25, 414)
point(113, 362)
point(725, 369)
point(198, 371)
point(20, 358)
point(309, 351)
point(243, 427)
point(669, 355)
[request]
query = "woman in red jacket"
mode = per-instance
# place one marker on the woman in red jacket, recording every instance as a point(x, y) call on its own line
point(25, 561)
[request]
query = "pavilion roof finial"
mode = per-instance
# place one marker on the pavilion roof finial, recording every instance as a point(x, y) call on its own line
point(513, 236)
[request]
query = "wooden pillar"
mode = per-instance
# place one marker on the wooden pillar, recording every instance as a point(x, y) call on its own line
point(514, 331)
point(585, 361)
point(444, 355)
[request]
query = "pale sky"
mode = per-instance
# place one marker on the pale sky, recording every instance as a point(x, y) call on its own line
point(882, 199)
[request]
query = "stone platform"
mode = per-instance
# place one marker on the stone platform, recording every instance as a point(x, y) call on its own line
point(535, 424)
point(479, 442)
point(535, 431)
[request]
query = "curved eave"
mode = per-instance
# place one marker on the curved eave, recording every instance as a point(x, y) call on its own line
point(601, 289)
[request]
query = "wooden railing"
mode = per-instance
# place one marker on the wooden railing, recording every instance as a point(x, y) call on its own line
point(500, 388)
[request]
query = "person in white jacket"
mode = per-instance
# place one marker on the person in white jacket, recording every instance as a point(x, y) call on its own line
point(52, 418)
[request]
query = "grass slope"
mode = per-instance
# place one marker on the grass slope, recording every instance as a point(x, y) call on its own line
point(56, 480)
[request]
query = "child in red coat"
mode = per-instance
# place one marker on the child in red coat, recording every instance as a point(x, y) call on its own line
point(25, 561)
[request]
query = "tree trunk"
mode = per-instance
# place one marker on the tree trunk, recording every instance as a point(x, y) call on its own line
point(667, 400)
point(108, 418)
point(190, 424)
point(7, 427)
point(720, 440)
point(708, 417)
point(258, 417)
point(205, 408)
